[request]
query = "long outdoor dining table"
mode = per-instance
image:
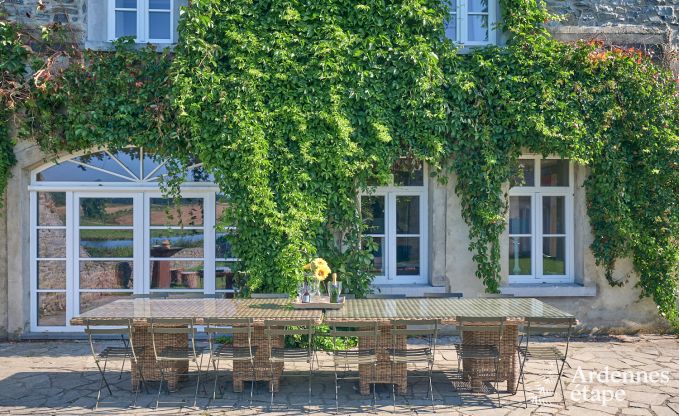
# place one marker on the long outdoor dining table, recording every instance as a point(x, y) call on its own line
point(447, 311)
point(141, 311)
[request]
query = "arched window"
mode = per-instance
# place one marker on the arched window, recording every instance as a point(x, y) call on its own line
point(102, 230)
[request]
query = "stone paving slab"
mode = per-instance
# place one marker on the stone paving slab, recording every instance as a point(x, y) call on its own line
point(624, 375)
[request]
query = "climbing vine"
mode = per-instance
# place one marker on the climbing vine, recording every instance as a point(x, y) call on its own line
point(294, 107)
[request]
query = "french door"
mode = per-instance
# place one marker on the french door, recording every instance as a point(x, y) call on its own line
point(397, 223)
point(137, 243)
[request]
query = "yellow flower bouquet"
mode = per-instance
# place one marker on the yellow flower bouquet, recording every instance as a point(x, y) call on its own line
point(319, 270)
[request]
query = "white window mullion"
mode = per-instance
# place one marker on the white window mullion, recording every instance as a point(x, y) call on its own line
point(146, 243)
point(138, 268)
point(33, 222)
point(72, 283)
point(209, 234)
point(142, 21)
point(390, 231)
point(537, 235)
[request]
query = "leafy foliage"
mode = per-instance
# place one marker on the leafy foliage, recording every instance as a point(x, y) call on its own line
point(295, 106)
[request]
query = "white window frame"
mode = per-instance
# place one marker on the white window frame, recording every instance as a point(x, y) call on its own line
point(390, 193)
point(143, 23)
point(141, 192)
point(461, 14)
point(536, 193)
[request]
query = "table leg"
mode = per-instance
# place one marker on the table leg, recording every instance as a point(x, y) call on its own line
point(146, 361)
point(383, 369)
point(242, 371)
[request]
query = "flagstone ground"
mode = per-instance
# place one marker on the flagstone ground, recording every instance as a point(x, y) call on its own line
point(60, 377)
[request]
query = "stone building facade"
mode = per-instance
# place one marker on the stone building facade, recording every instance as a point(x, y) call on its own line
point(649, 24)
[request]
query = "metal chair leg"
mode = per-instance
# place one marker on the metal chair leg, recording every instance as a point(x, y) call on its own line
point(559, 382)
point(374, 376)
point(195, 396)
point(272, 384)
point(336, 391)
point(160, 386)
point(215, 366)
point(252, 382)
point(431, 388)
point(102, 382)
point(122, 367)
point(311, 369)
point(393, 387)
point(522, 380)
point(497, 381)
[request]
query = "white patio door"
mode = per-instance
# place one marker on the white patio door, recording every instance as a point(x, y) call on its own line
point(139, 242)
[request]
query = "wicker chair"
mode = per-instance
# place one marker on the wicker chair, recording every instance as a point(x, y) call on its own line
point(481, 354)
point(422, 356)
point(168, 358)
point(529, 351)
point(122, 327)
point(346, 360)
point(233, 327)
point(279, 355)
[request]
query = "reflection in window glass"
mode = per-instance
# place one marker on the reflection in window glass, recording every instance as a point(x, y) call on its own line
point(106, 211)
point(51, 243)
point(372, 213)
point(477, 6)
point(51, 274)
point(408, 214)
point(407, 256)
point(524, 173)
point(126, 23)
point(223, 246)
point(103, 242)
point(378, 254)
point(553, 215)
point(52, 208)
point(177, 243)
point(106, 274)
point(407, 175)
point(477, 28)
point(176, 274)
point(554, 172)
point(520, 215)
point(159, 25)
point(73, 172)
point(189, 212)
point(51, 309)
point(224, 273)
point(91, 300)
point(222, 206)
point(520, 249)
point(554, 255)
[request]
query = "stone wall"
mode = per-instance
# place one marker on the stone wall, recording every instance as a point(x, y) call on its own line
point(41, 12)
point(656, 14)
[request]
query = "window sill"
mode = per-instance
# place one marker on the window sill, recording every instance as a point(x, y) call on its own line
point(413, 290)
point(107, 46)
point(548, 290)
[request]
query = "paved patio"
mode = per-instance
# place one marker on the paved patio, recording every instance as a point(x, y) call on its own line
point(630, 375)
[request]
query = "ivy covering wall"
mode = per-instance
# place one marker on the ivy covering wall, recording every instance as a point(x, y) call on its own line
point(295, 106)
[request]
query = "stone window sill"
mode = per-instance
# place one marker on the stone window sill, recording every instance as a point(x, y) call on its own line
point(548, 290)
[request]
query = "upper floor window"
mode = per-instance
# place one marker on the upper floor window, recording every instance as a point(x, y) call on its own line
point(541, 221)
point(472, 22)
point(145, 20)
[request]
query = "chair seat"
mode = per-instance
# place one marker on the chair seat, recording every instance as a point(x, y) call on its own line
point(290, 354)
point(411, 355)
point(349, 357)
point(477, 351)
point(179, 353)
point(534, 352)
point(228, 352)
point(119, 352)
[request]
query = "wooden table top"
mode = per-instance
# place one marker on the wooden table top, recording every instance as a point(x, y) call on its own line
point(141, 310)
point(443, 309)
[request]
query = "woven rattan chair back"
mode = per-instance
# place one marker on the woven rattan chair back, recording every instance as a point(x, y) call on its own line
point(489, 326)
point(219, 327)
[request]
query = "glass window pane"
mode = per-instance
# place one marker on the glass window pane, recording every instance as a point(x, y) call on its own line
point(51, 309)
point(173, 274)
point(126, 23)
point(188, 213)
point(91, 300)
point(222, 205)
point(223, 246)
point(73, 172)
point(224, 273)
point(106, 274)
point(177, 243)
point(477, 28)
point(405, 174)
point(554, 172)
point(477, 6)
point(106, 211)
point(553, 215)
point(554, 255)
point(52, 243)
point(52, 274)
point(52, 208)
point(103, 160)
point(126, 4)
point(408, 256)
point(159, 4)
point(106, 243)
point(372, 212)
point(523, 173)
point(408, 214)
point(159, 25)
point(378, 254)
point(451, 28)
point(520, 249)
point(519, 215)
